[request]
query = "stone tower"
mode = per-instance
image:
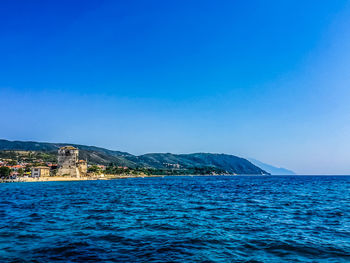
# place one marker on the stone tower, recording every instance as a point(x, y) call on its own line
point(68, 162)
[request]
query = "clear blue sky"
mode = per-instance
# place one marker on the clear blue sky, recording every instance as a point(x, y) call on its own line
point(263, 79)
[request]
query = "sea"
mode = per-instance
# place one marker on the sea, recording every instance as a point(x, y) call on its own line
point(177, 219)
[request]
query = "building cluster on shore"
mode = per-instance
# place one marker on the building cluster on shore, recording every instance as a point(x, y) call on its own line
point(68, 164)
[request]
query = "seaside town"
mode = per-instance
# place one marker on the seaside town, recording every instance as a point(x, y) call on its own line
point(31, 166)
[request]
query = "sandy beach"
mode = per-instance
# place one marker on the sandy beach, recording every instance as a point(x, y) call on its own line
point(70, 178)
point(85, 178)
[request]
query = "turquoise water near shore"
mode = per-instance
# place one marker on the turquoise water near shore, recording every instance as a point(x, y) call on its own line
point(178, 219)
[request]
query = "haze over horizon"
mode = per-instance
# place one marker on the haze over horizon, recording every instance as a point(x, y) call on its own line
point(266, 80)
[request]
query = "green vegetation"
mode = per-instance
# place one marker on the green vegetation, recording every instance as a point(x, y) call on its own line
point(4, 172)
point(153, 171)
point(20, 171)
point(94, 169)
point(12, 162)
point(28, 156)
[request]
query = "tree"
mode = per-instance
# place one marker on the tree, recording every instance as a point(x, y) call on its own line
point(12, 162)
point(20, 171)
point(94, 169)
point(4, 172)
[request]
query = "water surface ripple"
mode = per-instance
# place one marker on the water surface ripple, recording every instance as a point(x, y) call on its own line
point(177, 219)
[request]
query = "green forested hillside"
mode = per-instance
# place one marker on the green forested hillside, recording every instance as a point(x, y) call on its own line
point(97, 155)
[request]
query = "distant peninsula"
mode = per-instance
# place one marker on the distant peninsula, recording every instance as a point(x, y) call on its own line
point(271, 169)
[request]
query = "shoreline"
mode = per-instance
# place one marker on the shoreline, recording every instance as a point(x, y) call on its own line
point(89, 178)
point(69, 178)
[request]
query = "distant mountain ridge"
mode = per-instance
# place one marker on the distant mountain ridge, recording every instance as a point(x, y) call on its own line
point(271, 169)
point(98, 155)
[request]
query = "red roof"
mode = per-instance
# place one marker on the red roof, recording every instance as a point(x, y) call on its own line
point(17, 166)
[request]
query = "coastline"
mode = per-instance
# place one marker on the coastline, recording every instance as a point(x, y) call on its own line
point(69, 178)
point(85, 178)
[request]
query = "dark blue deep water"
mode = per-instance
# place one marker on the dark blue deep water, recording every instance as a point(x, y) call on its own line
point(177, 219)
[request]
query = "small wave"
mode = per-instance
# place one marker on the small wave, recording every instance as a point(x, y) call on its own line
point(197, 219)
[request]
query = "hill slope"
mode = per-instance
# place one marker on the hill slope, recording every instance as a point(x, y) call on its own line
point(230, 163)
point(225, 162)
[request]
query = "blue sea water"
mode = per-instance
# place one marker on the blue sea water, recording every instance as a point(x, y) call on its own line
point(178, 219)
